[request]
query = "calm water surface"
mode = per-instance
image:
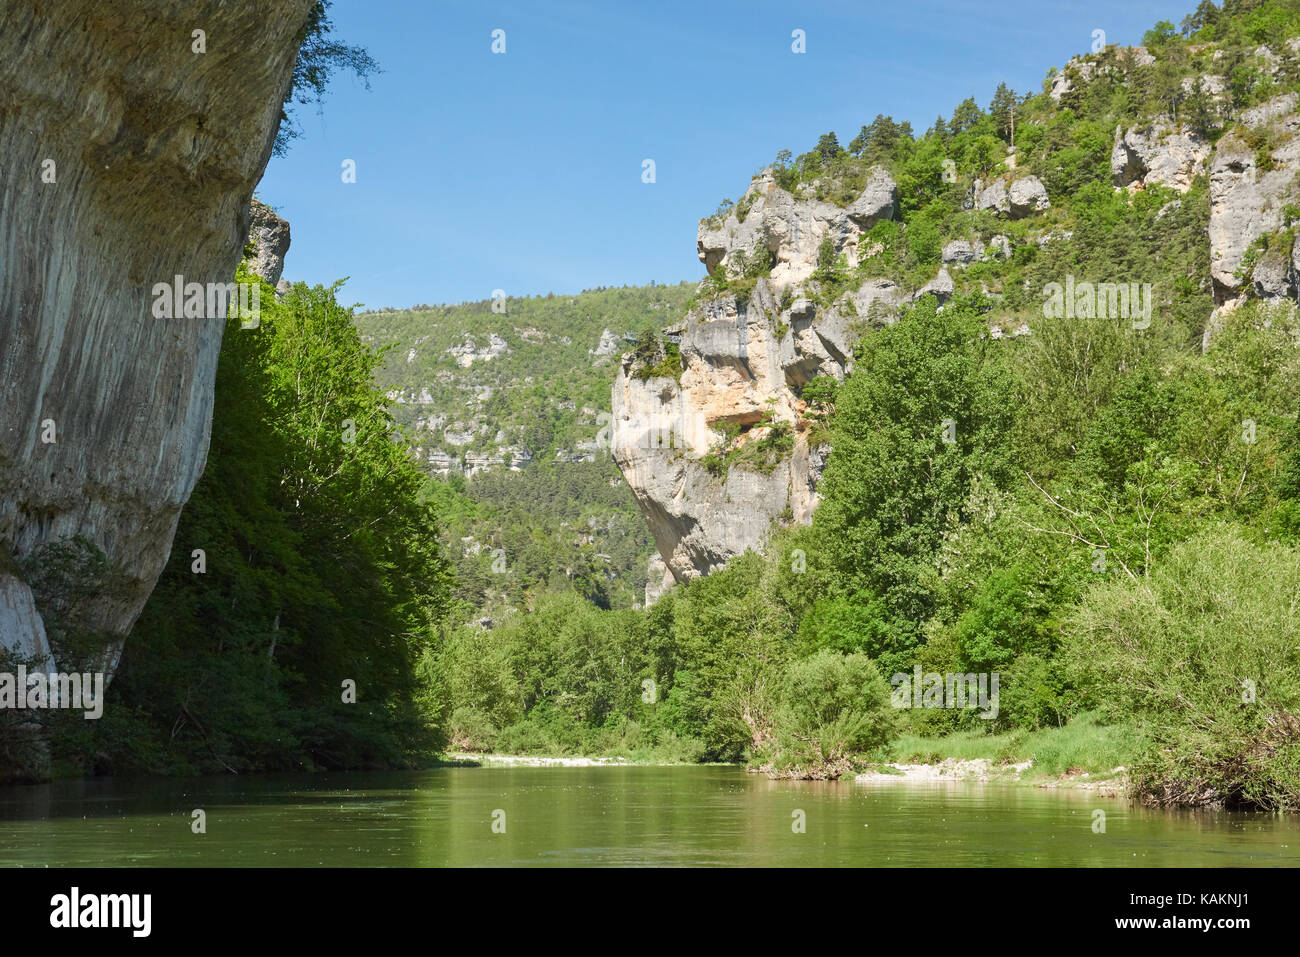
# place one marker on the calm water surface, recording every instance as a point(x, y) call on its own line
point(609, 816)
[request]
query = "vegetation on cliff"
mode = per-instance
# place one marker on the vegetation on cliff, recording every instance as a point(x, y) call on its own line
point(304, 561)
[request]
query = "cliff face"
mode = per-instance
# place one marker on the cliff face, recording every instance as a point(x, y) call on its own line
point(269, 236)
point(717, 454)
point(130, 159)
point(792, 228)
point(1250, 186)
point(743, 363)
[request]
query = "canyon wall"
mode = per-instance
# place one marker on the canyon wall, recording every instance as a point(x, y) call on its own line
point(131, 143)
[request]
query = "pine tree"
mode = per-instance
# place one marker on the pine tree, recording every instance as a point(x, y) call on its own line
point(829, 146)
point(1003, 111)
point(965, 116)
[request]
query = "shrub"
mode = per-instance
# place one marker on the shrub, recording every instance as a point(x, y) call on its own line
point(1203, 658)
point(832, 709)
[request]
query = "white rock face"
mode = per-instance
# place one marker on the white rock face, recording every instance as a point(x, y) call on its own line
point(1027, 196)
point(21, 624)
point(959, 252)
point(793, 229)
point(608, 345)
point(1246, 201)
point(740, 361)
point(1086, 70)
point(941, 287)
point(1210, 83)
point(994, 197)
point(1063, 82)
point(157, 151)
point(269, 235)
point(1157, 155)
point(468, 352)
point(1024, 197)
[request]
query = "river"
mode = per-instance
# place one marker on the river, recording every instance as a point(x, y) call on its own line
point(609, 816)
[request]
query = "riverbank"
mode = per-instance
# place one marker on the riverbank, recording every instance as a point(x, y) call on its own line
point(1082, 755)
point(566, 761)
point(1110, 783)
point(947, 771)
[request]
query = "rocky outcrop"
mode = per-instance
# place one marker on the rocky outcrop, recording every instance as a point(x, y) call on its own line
point(1083, 71)
point(791, 230)
point(608, 346)
point(959, 252)
point(468, 352)
point(1024, 197)
point(269, 236)
point(1027, 196)
point(658, 580)
point(20, 623)
point(129, 159)
point(1158, 154)
point(1064, 80)
point(941, 287)
point(742, 363)
point(1252, 180)
point(1211, 84)
point(993, 196)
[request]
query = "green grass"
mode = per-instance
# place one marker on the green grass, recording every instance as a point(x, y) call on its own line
point(1083, 745)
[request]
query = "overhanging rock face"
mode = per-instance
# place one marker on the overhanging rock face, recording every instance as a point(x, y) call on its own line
point(128, 158)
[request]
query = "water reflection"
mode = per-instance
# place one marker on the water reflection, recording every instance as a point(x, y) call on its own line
point(610, 816)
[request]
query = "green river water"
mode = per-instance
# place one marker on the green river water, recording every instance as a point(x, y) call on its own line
point(609, 816)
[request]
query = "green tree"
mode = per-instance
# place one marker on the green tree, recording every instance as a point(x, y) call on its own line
point(1003, 111)
point(832, 708)
point(828, 146)
point(322, 567)
point(319, 58)
point(965, 116)
point(921, 417)
point(1203, 659)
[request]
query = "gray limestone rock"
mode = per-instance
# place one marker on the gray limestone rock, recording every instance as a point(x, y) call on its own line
point(157, 151)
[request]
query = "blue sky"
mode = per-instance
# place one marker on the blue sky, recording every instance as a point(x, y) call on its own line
point(522, 171)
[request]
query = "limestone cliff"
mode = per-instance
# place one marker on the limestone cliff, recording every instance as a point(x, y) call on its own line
point(686, 443)
point(1253, 171)
point(268, 235)
point(131, 146)
point(1157, 154)
point(1254, 195)
point(1252, 180)
point(791, 228)
point(680, 437)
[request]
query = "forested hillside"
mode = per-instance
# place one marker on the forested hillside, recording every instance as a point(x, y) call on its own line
point(505, 401)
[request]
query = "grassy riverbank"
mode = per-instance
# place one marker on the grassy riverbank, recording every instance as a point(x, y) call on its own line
point(1083, 746)
point(1082, 753)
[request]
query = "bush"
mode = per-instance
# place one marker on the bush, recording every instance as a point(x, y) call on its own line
point(1202, 657)
point(471, 730)
point(832, 709)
